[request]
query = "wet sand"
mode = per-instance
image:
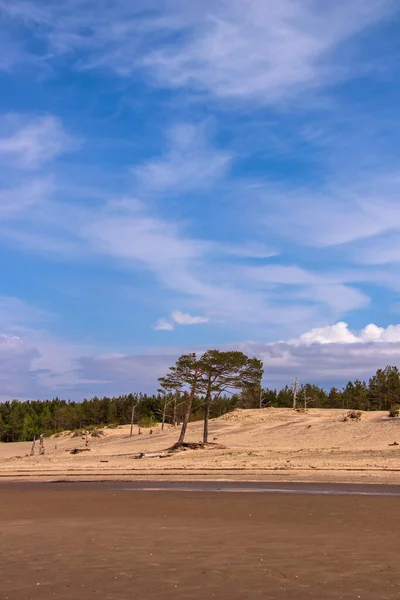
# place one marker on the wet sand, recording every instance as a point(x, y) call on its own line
point(112, 541)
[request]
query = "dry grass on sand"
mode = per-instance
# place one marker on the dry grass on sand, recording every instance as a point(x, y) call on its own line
point(266, 444)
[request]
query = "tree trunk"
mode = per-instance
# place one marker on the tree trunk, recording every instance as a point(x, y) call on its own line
point(41, 444)
point(206, 418)
point(187, 416)
point(163, 417)
point(132, 419)
point(294, 391)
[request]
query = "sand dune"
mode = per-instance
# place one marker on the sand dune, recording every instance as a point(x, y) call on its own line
point(264, 444)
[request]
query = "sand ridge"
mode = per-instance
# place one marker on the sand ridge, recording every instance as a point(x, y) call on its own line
point(265, 444)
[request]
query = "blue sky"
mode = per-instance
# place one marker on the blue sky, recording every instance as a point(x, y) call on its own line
point(182, 175)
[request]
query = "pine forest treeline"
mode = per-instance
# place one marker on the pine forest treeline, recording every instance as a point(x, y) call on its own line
point(20, 421)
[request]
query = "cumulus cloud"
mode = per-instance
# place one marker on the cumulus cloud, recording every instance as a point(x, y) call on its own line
point(179, 318)
point(36, 364)
point(182, 318)
point(341, 334)
point(338, 333)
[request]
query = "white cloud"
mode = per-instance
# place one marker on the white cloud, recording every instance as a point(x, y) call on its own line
point(382, 249)
point(30, 142)
point(262, 49)
point(181, 263)
point(259, 49)
point(18, 200)
point(347, 211)
point(163, 325)
point(182, 318)
point(313, 286)
point(332, 334)
point(179, 318)
point(190, 163)
point(34, 364)
point(340, 334)
point(198, 270)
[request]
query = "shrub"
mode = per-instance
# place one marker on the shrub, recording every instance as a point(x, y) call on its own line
point(78, 433)
point(394, 411)
point(97, 433)
point(147, 421)
point(353, 415)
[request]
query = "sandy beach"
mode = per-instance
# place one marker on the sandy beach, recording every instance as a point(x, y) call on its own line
point(206, 523)
point(261, 445)
point(79, 541)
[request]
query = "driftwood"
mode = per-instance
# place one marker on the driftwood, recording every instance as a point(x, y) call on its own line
point(77, 450)
point(180, 447)
point(161, 454)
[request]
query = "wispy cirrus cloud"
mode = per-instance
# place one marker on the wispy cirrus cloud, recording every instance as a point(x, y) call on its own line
point(18, 200)
point(333, 214)
point(210, 277)
point(28, 142)
point(190, 163)
point(261, 50)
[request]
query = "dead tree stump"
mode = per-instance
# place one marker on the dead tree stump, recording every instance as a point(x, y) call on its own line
point(41, 444)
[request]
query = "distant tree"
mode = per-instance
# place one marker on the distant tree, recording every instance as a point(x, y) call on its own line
point(258, 397)
point(226, 372)
point(285, 397)
point(134, 404)
point(29, 428)
point(185, 375)
point(170, 385)
point(335, 399)
point(20, 421)
point(295, 387)
point(165, 401)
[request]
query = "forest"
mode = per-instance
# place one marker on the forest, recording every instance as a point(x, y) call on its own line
point(20, 421)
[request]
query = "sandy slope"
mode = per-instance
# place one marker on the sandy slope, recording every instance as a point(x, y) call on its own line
point(265, 444)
